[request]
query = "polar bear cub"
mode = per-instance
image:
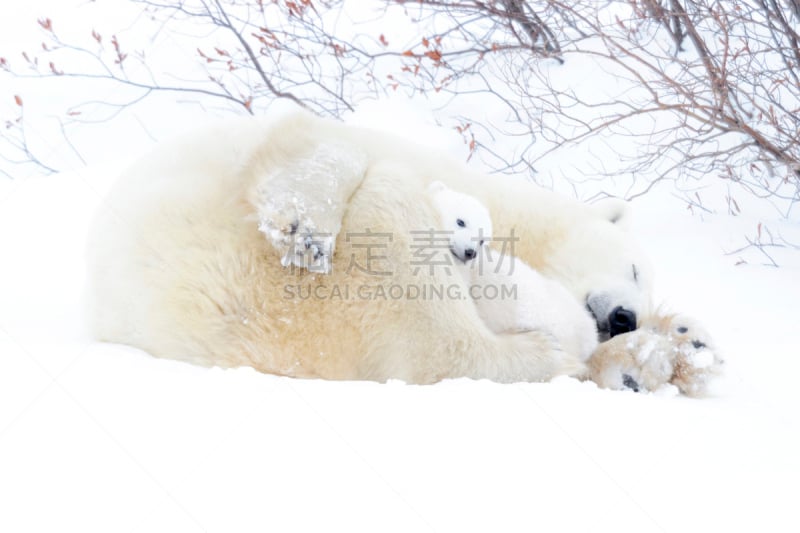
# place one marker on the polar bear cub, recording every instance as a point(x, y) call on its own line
point(520, 299)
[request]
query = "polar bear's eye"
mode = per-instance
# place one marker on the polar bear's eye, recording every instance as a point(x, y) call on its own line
point(635, 273)
point(461, 223)
point(481, 243)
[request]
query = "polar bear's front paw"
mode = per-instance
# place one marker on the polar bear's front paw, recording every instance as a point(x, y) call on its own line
point(299, 242)
point(665, 351)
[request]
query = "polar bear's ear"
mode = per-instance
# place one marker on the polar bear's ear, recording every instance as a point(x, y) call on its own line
point(615, 211)
point(436, 187)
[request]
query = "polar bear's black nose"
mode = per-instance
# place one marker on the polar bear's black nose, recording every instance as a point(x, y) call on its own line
point(469, 253)
point(621, 320)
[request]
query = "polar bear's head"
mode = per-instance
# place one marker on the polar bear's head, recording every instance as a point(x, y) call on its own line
point(464, 218)
point(600, 261)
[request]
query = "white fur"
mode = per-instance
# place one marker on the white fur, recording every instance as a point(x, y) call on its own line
point(539, 304)
point(521, 299)
point(667, 350)
point(466, 220)
point(185, 257)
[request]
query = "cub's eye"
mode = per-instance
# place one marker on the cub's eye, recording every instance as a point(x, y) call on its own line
point(481, 243)
point(461, 223)
point(635, 273)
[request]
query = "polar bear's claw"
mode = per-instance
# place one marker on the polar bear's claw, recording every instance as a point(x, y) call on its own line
point(297, 238)
point(302, 249)
point(628, 381)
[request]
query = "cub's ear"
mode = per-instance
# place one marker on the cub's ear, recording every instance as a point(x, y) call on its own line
point(436, 186)
point(614, 210)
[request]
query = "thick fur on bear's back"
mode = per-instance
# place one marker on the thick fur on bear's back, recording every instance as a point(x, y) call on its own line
point(184, 264)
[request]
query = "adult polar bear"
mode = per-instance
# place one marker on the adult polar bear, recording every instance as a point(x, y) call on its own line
point(187, 257)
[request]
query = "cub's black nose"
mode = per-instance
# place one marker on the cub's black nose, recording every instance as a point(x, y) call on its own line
point(621, 320)
point(469, 253)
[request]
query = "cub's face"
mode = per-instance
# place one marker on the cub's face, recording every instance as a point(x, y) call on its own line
point(465, 220)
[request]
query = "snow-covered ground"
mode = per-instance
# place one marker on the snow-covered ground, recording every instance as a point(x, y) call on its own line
point(97, 437)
